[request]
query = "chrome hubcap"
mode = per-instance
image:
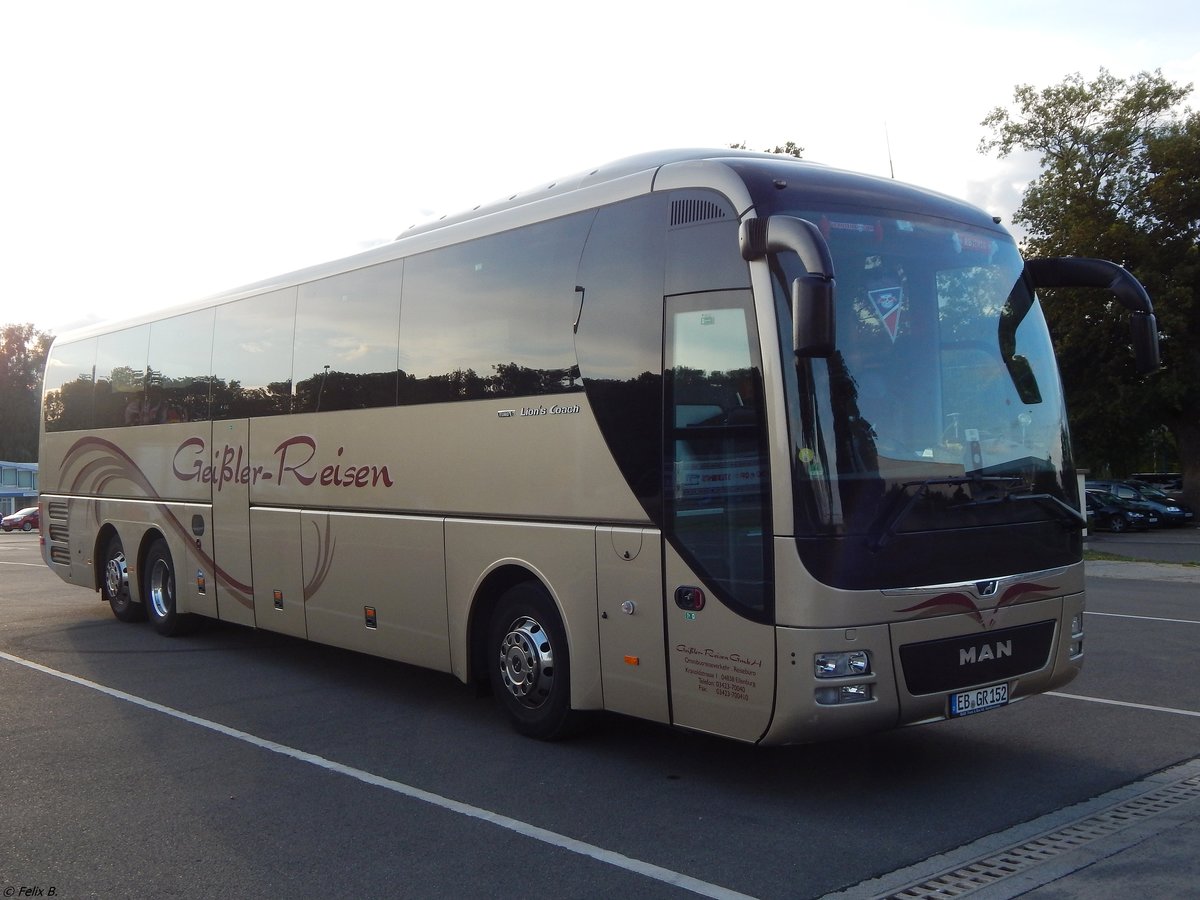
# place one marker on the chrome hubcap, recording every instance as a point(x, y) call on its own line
point(527, 662)
point(116, 577)
point(162, 588)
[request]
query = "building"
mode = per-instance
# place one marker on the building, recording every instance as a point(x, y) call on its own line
point(18, 486)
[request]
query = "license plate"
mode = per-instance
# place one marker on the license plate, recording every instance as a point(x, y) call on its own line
point(964, 703)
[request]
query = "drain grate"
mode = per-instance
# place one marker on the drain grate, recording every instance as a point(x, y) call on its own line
point(983, 872)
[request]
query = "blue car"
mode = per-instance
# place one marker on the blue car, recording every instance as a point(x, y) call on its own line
point(1170, 512)
point(1155, 493)
point(1116, 515)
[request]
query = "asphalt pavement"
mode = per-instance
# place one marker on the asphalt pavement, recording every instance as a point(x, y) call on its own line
point(1146, 843)
point(1139, 840)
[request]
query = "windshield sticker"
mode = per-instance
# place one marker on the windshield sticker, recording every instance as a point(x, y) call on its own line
point(971, 243)
point(887, 306)
point(828, 226)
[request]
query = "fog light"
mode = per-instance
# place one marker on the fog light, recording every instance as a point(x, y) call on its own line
point(847, 693)
point(1076, 648)
point(855, 693)
point(1077, 625)
point(841, 665)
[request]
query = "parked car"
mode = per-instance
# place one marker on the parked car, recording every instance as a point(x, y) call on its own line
point(1169, 511)
point(25, 519)
point(1168, 482)
point(1158, 494)
point(1116, 515)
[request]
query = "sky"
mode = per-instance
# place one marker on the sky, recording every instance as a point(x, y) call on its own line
point(154, 153)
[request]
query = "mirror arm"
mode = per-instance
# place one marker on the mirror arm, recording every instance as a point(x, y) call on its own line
point(1079, 271)
point(758, 237)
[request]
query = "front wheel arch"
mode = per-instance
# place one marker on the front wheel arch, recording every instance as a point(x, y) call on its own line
point(529, 662)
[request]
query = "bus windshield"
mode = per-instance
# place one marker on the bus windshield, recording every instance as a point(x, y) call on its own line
point(941, 406)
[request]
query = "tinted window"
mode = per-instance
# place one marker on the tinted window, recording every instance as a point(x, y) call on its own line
point(70, 376)
point(180, 358)
point(252, 356)
point(619, 341)
point(346, 340)
point(493, 317)
point(718, 489)
point(121, 377)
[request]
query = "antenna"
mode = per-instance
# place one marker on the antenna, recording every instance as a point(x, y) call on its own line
point(888, 139)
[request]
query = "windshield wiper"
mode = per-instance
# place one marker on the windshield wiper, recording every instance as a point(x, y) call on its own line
point(884, 529)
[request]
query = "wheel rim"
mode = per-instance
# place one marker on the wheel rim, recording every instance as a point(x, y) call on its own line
point(162, 588)
point(527, 662)
point(116, 576)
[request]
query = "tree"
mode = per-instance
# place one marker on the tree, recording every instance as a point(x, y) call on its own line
point(791, 148)
point(22, 358)
point(1120, 179)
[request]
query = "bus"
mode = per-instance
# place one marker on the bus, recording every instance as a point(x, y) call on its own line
point(723, 440)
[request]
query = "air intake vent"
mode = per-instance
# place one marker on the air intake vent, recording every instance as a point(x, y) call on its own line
point(691, 212)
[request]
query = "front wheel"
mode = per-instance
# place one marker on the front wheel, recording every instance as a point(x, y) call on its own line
point(159, 586)
point(115, 586)
point(1118, 524)
point(529, 665)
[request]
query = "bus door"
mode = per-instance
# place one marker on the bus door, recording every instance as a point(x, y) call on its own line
point(717, 562)
point(233, 577)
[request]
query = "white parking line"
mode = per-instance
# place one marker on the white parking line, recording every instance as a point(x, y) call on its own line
point(609, 857)
point(1145, 706)
point(1146, 618)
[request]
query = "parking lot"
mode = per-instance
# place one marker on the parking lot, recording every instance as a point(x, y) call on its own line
point(238, 761)
point(1170, 545)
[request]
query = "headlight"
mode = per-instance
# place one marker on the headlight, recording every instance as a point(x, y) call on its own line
point(842, 665)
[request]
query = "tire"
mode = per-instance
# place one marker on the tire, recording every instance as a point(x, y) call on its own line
point(158, 585)
point(27, 526)
point(1117, 524)
point(114, 586)
point(528, 663)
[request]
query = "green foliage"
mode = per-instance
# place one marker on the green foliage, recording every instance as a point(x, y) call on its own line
point(22, 358)
point(791, 148)
point(1120, 180)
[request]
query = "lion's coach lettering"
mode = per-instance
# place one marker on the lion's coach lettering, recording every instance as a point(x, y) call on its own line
point(296, 460)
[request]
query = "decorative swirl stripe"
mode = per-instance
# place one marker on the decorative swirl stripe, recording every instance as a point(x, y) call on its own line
point(325, 545)
point(965, 603)
point(116, 464)
point(957, 602)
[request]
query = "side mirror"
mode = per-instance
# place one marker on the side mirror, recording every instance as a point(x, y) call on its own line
point(1079, 271)
point(812, 316)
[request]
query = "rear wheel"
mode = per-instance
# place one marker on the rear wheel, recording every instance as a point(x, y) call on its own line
point(1118, 524)
point(159, 586)
point(115, 586)
point(529, 665)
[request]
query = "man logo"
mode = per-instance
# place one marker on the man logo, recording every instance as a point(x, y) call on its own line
point(968, 656)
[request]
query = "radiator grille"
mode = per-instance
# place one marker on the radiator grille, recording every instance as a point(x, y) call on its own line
point(954, 663)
